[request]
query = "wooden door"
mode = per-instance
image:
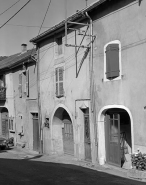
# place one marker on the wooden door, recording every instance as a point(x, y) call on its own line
point(112, 138)
point(87, 141)
point(35, 132)
point(68, 139)
point(4, 118)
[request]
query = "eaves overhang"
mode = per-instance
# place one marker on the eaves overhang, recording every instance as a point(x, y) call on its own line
point(60, 26)
point(17, 60)
point(19, 63)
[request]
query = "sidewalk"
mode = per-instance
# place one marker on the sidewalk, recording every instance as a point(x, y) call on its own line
point(23, 153)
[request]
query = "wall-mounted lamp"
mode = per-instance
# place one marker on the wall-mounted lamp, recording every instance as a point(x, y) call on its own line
point(83, 106)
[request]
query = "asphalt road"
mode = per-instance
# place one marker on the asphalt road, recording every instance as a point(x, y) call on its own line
point(29, 172)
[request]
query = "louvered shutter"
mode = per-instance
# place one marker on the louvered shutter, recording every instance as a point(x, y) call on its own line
point(59, 82)
point(27, 83)
point(56, 74)
point(112, 61)
point(61, 91)
point(20, 85)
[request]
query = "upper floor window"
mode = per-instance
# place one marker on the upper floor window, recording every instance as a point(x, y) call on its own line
point(58, 46)
point(112, 61)
point(2, 81)
point(59, 78)
point(11, 124)
point(24, 83)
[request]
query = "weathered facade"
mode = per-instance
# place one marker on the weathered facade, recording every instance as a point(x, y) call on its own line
point(99, 114)
point(20, 104)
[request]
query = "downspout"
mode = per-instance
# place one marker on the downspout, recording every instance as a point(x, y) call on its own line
point(91, 58)
point(92, 131)
point(39, 103)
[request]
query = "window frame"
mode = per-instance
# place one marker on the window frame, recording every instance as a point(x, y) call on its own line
point(11, 124)
point(24, 85)
point(55, 82)
point(56, 47)
point(20, 85)
point(3, 79)
point(120, 66)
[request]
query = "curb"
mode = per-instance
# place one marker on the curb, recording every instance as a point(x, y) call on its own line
point(136, 174)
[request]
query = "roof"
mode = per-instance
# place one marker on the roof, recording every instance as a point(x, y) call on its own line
point(71, 18)
point(2, 57)
point(15, 59)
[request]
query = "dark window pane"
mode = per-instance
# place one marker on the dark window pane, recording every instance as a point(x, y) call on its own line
point(56, 73)
point(61, 88)
point(59, 42)
point(60, 74)
point(57, 89)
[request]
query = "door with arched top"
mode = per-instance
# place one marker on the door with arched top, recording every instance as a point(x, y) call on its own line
point(112, 138)
point(67, 132)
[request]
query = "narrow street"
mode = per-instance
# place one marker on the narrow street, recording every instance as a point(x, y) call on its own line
point(19, 168)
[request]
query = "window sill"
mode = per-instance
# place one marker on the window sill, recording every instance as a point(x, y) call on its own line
point(115, 79)
point(61, 96)
point(12, 131)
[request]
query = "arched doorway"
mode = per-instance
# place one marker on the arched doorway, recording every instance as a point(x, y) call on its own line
point(115, 135)
point(4, 122)
point(62, 132)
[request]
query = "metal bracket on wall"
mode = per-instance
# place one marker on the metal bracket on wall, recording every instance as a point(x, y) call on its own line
point(68, 25)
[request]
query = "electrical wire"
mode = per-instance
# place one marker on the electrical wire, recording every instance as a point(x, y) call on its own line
point(9, 8)
point(28, 26)
point(15, 14)
point(44, 17)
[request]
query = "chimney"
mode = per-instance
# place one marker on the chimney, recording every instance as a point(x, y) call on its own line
point(23, 48)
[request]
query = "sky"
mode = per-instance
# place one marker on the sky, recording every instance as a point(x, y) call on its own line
point(26, 24)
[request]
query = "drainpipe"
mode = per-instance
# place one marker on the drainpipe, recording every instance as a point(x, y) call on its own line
point(91, 57)
point(39, 103)
point(91, 87)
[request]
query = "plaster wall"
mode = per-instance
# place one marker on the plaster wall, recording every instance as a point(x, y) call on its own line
point(9, 103)
point(24, 106)
point(74, 88)
point(125, 24)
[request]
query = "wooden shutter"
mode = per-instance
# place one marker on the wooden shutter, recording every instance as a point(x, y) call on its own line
point(20, 85)
point(61, 91)
point(112, 61)
point(56, 75)
point(59, 82)
point(27, 83)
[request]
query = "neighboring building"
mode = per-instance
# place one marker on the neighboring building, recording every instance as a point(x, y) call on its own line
point(98, 114)
point(19, 108)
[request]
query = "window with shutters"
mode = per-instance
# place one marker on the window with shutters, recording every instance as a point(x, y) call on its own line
point(59, 78)
point(20, 85)
point(11, 124)
point(2, 81)
point(112, 61)
point(24, 84)
point(27, 83)
point(58, 47)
